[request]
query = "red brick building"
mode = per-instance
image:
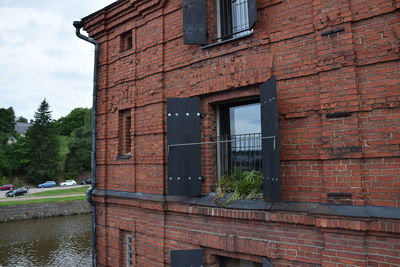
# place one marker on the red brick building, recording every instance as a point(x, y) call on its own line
point(311, 86)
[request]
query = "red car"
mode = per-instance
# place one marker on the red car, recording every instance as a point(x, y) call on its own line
point(7, 187)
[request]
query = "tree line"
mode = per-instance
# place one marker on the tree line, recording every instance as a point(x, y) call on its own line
point(50, 149)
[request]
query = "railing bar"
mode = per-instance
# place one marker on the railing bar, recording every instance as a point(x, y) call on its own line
point(226, 141)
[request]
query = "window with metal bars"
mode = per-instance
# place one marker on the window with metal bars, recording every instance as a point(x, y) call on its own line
point(222, 20)
point(238, 142)
point(129, 251)
point(238, 129)
point(233, 19)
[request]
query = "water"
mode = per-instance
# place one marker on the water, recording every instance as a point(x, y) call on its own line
point(60, 241)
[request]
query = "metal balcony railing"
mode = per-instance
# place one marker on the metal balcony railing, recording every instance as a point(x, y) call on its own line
point(238, 153)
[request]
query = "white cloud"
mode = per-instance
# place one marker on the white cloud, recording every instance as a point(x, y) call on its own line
point(40, 56)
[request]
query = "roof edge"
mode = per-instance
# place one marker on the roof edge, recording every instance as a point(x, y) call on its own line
point(100, 10)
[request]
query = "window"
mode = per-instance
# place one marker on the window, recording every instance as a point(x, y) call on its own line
point(233, 19)
point(128, 249)
point(124, 132)
point(223, 20)
point(125, 41)
point(239, 138)
point(237, 121)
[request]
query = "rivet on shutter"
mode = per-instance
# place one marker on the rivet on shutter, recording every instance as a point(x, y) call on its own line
point(178, 178)
point(199, 177)
point(169, 114)
point(170, 178)
point(189, 178)
point(198, 114)
point(187, 114)
point(176, 114)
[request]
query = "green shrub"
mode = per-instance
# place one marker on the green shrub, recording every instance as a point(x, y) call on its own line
point(17, 182)
point(245, 185)
point(3, 180)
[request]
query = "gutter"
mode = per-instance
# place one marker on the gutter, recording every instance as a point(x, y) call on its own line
point(78, 26)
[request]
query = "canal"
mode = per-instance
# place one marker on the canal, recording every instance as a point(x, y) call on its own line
point(57, 241)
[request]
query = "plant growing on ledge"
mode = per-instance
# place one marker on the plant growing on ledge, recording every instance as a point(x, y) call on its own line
point(244, 185)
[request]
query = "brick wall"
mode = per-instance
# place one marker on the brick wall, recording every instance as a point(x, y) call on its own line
point(286, 238)
point(354, 71)
point(339, 129)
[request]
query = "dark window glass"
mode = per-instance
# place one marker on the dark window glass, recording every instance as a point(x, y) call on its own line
point(126, 41)
point(124, 132)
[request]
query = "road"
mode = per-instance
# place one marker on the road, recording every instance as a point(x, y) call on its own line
point(35, 190)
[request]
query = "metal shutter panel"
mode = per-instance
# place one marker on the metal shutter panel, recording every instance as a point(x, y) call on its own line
point(270, 146)
point(194, 22)
point(252, 7)
point(184, 161)
point(187, 258)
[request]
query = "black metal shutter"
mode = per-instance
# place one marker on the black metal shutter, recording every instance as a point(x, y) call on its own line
point(266, 263)
point(187, 258)
point(252, 7)
point(194, 22)
point(184, 150)
point(270, 142)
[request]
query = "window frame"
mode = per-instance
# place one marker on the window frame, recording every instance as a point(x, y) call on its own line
point(224, 108)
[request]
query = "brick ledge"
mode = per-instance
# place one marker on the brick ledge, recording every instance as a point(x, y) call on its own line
point(366, 212)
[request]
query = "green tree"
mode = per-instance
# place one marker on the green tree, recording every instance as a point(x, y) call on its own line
point(43, 146)
point(78, 160)
point(7, 137)
point(7, 124)
point(22, 119)
point(68, 124)
point(17, 156)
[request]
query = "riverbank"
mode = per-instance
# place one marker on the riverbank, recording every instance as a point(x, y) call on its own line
point(43, 210)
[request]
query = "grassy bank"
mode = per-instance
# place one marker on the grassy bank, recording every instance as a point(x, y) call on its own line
point(42, 200)
point(60, 192)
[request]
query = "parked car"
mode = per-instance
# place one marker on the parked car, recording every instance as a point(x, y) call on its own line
point(6, 187)
point(17, 192)
point(68, 183)
point(47, 184)
point(87, 181)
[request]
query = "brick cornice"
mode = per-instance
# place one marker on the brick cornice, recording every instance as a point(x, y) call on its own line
point(327, 216)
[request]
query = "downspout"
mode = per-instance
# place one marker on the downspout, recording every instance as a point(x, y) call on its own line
point(78, 26)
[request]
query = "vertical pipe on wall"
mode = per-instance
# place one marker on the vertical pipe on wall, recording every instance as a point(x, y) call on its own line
point(78, 26)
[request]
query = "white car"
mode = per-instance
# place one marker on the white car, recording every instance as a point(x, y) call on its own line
point(68, 183)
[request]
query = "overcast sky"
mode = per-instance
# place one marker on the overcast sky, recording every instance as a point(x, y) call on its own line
point(41, 57)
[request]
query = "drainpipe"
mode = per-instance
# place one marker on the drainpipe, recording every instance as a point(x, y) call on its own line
point(78, 26)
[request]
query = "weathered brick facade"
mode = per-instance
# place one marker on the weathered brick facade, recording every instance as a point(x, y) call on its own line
point(339, 129)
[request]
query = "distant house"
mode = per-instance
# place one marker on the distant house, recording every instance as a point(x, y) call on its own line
point(22, 127)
